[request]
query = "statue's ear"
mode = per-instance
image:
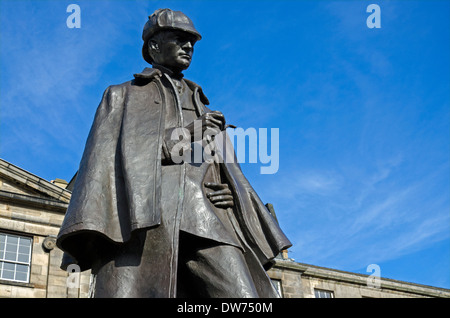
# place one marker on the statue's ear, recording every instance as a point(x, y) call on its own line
point(153, 46)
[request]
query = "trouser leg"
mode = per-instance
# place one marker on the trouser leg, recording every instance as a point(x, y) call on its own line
point(210, 269)
point(206, 269)
point(138, 268)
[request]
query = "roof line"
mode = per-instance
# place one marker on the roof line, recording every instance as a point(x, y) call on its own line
point(37, 183)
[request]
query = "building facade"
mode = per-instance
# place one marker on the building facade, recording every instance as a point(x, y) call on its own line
point(298, 280)
point(31, 213)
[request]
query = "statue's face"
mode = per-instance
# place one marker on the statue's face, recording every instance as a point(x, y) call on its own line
point(174, 50)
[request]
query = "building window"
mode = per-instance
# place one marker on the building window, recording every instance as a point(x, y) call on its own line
point(15, 256)
point(320, 293)
point(277, 284)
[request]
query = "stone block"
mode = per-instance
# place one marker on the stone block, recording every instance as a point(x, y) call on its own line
point(5, 291)
point(57, 291)
point(57, 281)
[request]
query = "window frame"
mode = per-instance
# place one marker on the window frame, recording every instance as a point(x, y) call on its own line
point(278, 286)
point(319, 292)
point(14, 265)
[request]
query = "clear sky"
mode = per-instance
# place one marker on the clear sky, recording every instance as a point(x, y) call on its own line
point(362, 113)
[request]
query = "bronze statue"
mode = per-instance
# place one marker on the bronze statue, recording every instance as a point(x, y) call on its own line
point(149, 224)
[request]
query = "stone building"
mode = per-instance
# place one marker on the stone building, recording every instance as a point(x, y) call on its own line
point(32, 210)
point(298, 280)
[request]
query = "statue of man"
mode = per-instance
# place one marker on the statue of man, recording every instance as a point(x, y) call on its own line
point(144, 218)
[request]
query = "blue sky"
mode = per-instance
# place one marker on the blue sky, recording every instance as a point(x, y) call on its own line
point(363, 114)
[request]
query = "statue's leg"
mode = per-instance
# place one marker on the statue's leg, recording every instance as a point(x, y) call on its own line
point(213, 270)
point(138, 269)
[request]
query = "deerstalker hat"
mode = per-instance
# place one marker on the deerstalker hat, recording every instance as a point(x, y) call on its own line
point(166, 19)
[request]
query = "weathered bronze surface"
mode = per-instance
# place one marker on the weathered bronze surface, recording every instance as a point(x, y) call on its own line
point(148, 221)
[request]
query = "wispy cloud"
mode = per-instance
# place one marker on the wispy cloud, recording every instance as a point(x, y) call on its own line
point(376, 219)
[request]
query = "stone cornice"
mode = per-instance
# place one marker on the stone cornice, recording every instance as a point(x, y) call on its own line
point(361, 279)
point(32, 201)
point(28, 179)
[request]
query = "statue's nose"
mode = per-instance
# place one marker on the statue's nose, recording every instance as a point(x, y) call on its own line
point(188, 45)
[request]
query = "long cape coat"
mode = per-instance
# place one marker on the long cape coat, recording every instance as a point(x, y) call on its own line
point(117, 189)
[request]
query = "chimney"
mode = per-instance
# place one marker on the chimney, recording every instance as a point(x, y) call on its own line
point(60, 183)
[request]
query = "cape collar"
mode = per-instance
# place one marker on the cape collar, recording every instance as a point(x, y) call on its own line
point(169, 72)
point(149, 74)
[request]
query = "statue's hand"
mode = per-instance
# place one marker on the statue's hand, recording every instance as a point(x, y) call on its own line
point(221, 196)
point(213, 121)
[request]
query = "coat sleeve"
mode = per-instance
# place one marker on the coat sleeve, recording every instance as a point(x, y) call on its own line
point(262, 232)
